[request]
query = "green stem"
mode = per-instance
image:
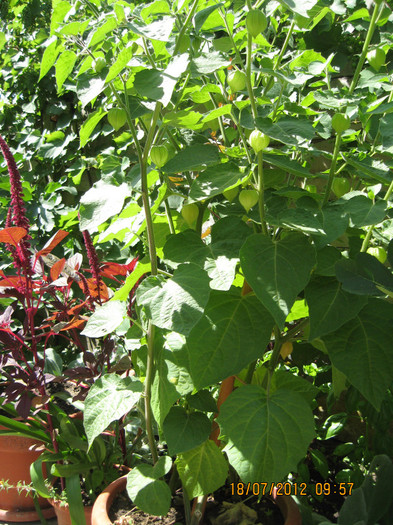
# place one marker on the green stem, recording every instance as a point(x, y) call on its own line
point(332, 170)
point(249, 78)
point(167, 208)
point(250, 372)
point(280, 56)
point(185, 25)
point(362, 58)
point(261, 189)
point(367, 239)
point(147, 392)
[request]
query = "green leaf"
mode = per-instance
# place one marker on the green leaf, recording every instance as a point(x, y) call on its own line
point(177, 303)
point(38, 479)
point(364, 276)
point(219, 258)
point(89, 125)
point(12, 427)
point(184, 431)
point(361, 350)
point(194, 157)
point(300, 7)
point(149, 493)
point(215, 180)
point(49, 57)
point(207, 63)
point(287, 266)
point(170, 382)
point(88, 88)
point(291, 166)
point(267, 435)
point(159, 85)
point(100, 203)
point(122, 59)
point(109, 399)
point(364, 212)
point(233, 332)
point(98, 35)
point(105, 319)
point(202, 469)
point(330, 306)
point(157, 30)
point(326, 260)
point(374, 169)
point(74, 500)
point(286, 381)
point(64, 66)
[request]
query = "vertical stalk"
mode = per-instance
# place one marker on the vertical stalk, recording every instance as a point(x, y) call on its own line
point(249, 78)
point(362, 58)
point(332, 170)
point(280, 56)
point(147, 392)
point(261, 188)
point(371, 228)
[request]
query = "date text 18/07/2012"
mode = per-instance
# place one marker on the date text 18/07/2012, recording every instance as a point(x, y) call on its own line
point(290, 489)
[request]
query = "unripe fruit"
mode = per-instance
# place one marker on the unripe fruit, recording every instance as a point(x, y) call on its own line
point(159, 155)
point(376, 58)
point(236, 80)
point(379, 253)
point(286, 349)
point(248, 198)
point(258, 140)
point(340, 186)
point(256, 22)
point(231, 194)
point(190, 213)
point(99, 64)
point(340, 122)
point(117, 118)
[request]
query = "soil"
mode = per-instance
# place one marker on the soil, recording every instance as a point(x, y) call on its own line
point(222, 509)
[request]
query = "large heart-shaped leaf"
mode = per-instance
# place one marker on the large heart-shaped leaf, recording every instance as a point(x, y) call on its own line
point(277, 271)
point(109, 399)
point(184, 431)
point(233, 332)
point(361, 349)
point(177, 303)
point(267, 435)
point(202, 469)
point(330, 306)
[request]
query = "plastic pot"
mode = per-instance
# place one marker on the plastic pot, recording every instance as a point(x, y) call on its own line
point(63, 513)
point(16, 455)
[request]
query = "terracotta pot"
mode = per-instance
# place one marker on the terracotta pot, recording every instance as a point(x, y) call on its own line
point(101, 507)
point(16, 455)
point(104, 501)
point(288, 508)
point(63, 513)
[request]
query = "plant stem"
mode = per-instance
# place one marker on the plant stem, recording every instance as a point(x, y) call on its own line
point(332, 170)
point(261, 188)
point(367, 239)
point(280, 56)
point(249, 78)
point(147, 392)
point(362, 58)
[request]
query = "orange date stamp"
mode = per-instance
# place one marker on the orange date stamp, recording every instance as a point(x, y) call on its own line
point(290, 489)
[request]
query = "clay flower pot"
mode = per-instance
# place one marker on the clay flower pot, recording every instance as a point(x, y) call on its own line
point(288, 508)
point(63, 513)
point(104, 501)
point(16, 455)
